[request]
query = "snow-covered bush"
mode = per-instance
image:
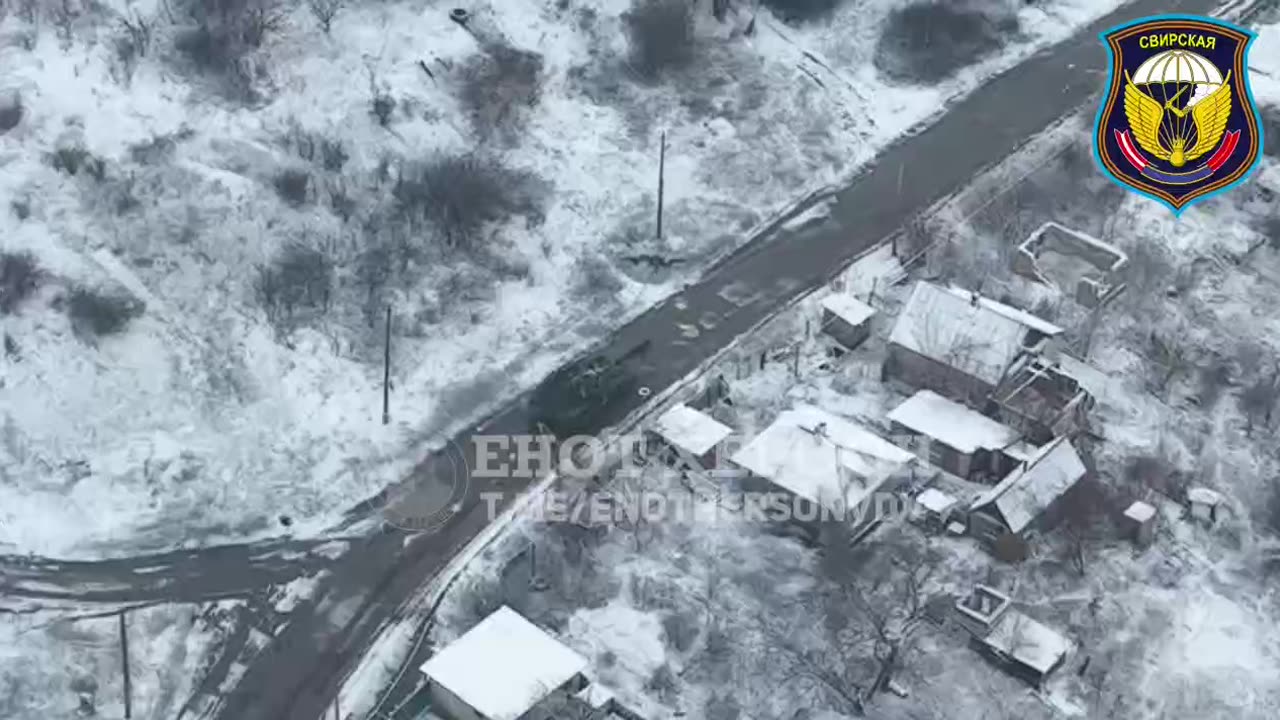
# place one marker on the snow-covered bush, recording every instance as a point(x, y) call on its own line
point(927, 42)
point(20, 276)
point(95, 314)
point(11, 112)
point(293, 186)
point(800, 10)
point(300, 279)
point(661, 35)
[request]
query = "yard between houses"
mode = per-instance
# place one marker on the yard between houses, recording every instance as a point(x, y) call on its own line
point(729, 619)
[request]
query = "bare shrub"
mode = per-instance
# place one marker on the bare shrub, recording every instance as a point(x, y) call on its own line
point(71, 159)
point(801, 10)
point(1270, 128)
point(132, 44)
point(1155, 472)
point(226, 33)
point(64, 14)
point(595, 278)
point(498, 85)
point(98, 315)
point(293, 186)
point(661, 36)
point(20, 277)
point(381, 107)
point(663, 684)
point(1169, 360)
point(1214, 375)
point(722, 707)
point(462, 194)
point(927, 42)
point(11, 112)
point(680, 629)
point(301, 278)
point(330, 153)
point(324, 11)
point(1258, 401)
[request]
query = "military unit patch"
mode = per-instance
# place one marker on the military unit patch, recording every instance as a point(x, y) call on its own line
point(1177, 122)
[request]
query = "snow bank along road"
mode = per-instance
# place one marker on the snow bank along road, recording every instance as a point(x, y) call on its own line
point(296, 676)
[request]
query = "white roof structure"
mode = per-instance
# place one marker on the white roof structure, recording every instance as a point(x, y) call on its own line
point(1204, 496)
point(848, 308)
point(820, 456)
point(966, 331)
point(935, 500)
point(690, 430)
point(503, 666)
point(1140, 511)
point(595, 696)
point(952, 424)
point(1029, 642)
point(1027, 491)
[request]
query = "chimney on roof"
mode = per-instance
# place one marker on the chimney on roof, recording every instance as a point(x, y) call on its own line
point(973, 298)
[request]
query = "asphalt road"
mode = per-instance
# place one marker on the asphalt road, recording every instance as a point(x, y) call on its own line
point(296, 677)
point(205, 574)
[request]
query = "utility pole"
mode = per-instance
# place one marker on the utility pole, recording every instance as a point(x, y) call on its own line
point(662, 166)
point(124, 664)
point(386, 372)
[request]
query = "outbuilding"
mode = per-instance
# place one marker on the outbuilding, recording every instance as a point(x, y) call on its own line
point(1206, 504)
point(1141, 520)
point(846, 319)
point(683, 434)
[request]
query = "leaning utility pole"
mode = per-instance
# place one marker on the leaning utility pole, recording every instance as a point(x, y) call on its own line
point(386, 372)
point(662, 162)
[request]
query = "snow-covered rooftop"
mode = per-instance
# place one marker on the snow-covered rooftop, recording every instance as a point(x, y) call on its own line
point(1029, 642)
point(952, 424)
point(690, 430)
point(934, 500)
point(1024, 493)
point(848, 308)
point(975, 334)
point(1204, 496)
point(503, 666)
point(820, 456)
point(1140, 511)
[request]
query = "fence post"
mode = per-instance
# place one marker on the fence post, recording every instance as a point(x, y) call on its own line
point(124, 663)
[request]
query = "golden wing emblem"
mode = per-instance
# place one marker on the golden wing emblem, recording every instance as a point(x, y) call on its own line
point(1145, 115)
point(1210, 116)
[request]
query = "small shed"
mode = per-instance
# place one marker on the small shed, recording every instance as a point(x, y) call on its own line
point(846, 319)
point(935, 508)
point(1206, 504)
point(1141, 520)
point(955, 438)
point(1025, 500)
point(690, 435)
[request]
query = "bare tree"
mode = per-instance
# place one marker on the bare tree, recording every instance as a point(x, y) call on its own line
point(324, 12)
point(1258, 401)
point(1169, 360)
point(1083, 510)
point(870, 627)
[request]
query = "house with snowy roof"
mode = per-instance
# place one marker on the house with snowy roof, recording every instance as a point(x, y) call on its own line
point(827, 468)
point(953, 437)
point(1027, 499)
point(507, 668)
point(960, 344)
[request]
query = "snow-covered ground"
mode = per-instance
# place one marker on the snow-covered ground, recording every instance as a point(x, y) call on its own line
point(201, 420)
point(57, 664)
point(674, 613)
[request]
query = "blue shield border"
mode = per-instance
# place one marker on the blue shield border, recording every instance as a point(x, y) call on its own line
point(1243, 73)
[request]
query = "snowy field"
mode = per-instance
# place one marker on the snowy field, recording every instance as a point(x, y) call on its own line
point(722, 620)
point(60, 665)
point(216, 226)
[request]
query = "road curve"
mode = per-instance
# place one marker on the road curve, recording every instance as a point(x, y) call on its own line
point(296, 677)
